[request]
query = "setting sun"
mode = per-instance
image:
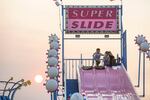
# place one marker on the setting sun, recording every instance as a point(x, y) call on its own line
point(38, 78)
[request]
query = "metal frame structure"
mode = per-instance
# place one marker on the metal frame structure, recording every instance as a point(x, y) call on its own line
point(139, 73)
point(140, 39)
point(122, 39)
point(10, 88)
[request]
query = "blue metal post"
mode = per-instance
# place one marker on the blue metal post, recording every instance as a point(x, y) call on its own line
point(121, 31)
point(51, 96)
point(123, 41)
point(55, 95)
point(63, 53)
point(62, 45)
point(125, 50)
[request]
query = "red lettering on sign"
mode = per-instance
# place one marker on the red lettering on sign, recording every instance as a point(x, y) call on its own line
point(92, 13)
point(92, 25)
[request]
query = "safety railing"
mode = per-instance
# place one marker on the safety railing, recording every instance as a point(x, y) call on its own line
point(71, 66)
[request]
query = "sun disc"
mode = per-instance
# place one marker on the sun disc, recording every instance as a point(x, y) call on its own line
point(38, 78)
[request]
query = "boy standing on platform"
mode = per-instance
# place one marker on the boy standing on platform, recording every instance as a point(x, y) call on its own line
point(96, 57)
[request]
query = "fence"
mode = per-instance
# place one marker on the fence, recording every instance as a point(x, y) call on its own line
point(71, 66)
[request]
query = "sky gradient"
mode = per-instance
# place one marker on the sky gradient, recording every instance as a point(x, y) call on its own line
point(26, 24)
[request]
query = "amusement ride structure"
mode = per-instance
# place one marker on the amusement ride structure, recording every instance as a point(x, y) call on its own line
point(9, 88)
point(69, 81)
point(79, 78)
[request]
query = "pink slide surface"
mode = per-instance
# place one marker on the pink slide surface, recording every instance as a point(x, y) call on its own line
point(107, 84)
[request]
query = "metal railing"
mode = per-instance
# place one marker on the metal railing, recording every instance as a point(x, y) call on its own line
point(71, 66)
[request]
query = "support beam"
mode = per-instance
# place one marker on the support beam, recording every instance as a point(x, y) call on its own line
point(139, 69)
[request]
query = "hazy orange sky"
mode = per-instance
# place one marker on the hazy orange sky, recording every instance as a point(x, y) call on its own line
point(26, 24)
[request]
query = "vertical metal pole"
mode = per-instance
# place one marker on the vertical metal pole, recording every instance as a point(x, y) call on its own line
point(76, 69)
point(69, 69)
point(123, 41)
point(55, 95)
point(63, 72)
point(65, 79)
point(121, 31)
point(144, 74)
point(62, 45)
point(73, 69)
point(126, 52)
point(139, 69)
point(125, 48)
point(81, 60)
point(51, 96)
point(121, 44)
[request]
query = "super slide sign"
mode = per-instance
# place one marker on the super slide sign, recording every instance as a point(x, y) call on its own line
point(92, 19)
